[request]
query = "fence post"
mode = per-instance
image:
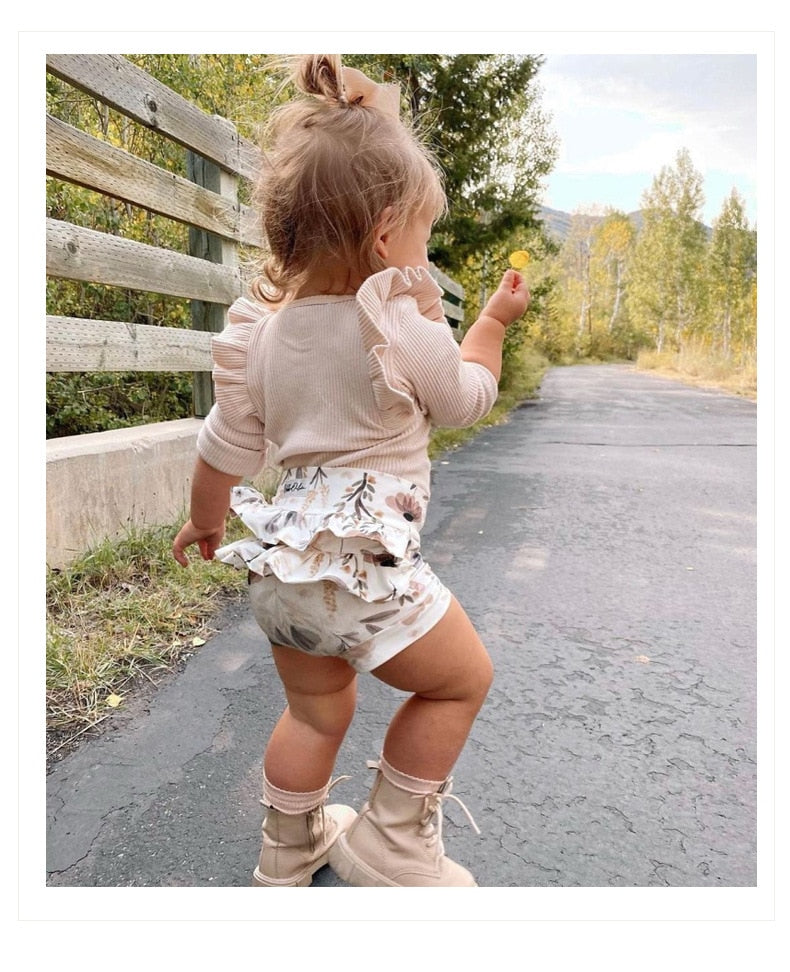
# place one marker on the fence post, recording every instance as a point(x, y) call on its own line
point(207, 316)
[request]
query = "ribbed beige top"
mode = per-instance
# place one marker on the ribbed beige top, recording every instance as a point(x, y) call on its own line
point(353, 380)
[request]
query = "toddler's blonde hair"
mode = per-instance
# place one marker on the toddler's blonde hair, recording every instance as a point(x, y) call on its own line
point(331, 169)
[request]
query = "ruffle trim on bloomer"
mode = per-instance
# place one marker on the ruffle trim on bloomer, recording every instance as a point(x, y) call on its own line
point(355, 528)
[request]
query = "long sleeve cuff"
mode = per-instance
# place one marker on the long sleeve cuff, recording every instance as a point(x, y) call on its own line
point(233, 458)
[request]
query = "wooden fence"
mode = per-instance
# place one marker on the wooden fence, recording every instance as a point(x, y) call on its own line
point(209, 275)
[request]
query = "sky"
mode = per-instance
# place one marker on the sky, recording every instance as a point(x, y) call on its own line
point(621, 117)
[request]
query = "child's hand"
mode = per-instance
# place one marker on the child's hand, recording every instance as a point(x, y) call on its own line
point(510, 300)
point(207, 540)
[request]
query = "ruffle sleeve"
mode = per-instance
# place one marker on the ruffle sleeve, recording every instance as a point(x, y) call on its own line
point(232, 438)
point(379, 321)
point(246, 311)
point(414, 360)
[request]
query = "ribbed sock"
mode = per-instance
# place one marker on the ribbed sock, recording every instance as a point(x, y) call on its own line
point(412, 784)
point(292, 803)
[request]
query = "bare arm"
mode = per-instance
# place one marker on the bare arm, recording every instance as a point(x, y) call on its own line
point(209, 507)
point(482, 343)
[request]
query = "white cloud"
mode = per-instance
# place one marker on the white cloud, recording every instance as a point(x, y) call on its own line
point(706, 103)
point(629, 115)
point(691, 82)
point(647, 156)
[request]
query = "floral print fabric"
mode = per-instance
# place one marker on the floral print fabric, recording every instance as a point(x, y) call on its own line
point(335, 563)
point(324, 619)
point(358, 529)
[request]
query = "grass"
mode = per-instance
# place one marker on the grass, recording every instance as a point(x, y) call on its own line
point(696, 365)
point(125, 612)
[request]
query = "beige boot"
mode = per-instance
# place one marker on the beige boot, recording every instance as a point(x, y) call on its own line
point(396, 841)
point(296, 845)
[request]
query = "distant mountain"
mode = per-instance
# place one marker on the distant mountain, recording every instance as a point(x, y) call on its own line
point(558, 223)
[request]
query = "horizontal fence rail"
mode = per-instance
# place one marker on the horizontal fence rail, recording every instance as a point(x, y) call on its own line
point(76, 157)
point(452, 302)
point(123, 86)
point(75, 253)
point(88, 345)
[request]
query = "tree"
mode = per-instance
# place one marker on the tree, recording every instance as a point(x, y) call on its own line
point(580, 281)
point(666, 294)
point(490, 135)
point(612, 249)
point(732, 271)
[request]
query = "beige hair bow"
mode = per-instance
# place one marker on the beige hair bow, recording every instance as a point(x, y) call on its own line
point(359, 87)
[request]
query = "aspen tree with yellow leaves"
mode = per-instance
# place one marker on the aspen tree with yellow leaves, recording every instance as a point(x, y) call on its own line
point(667, 294)
point(732, 269)
point(612, 249)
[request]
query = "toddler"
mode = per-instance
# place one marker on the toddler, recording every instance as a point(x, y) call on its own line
point(344, 361)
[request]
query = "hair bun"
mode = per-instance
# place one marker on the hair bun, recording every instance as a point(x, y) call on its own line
point(321, 75)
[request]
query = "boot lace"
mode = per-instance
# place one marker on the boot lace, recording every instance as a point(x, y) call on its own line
point(313, 832)
point(432, 820)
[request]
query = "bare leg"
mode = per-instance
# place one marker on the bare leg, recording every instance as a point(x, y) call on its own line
point(393, 841)
point(450, 673)
point(321, 694)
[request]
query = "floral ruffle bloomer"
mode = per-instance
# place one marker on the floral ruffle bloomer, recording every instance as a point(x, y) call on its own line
point(335, 563)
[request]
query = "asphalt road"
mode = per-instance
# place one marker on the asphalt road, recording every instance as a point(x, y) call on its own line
point(603, 540)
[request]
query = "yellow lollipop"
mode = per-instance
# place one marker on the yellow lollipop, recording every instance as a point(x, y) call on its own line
point(519, 259)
